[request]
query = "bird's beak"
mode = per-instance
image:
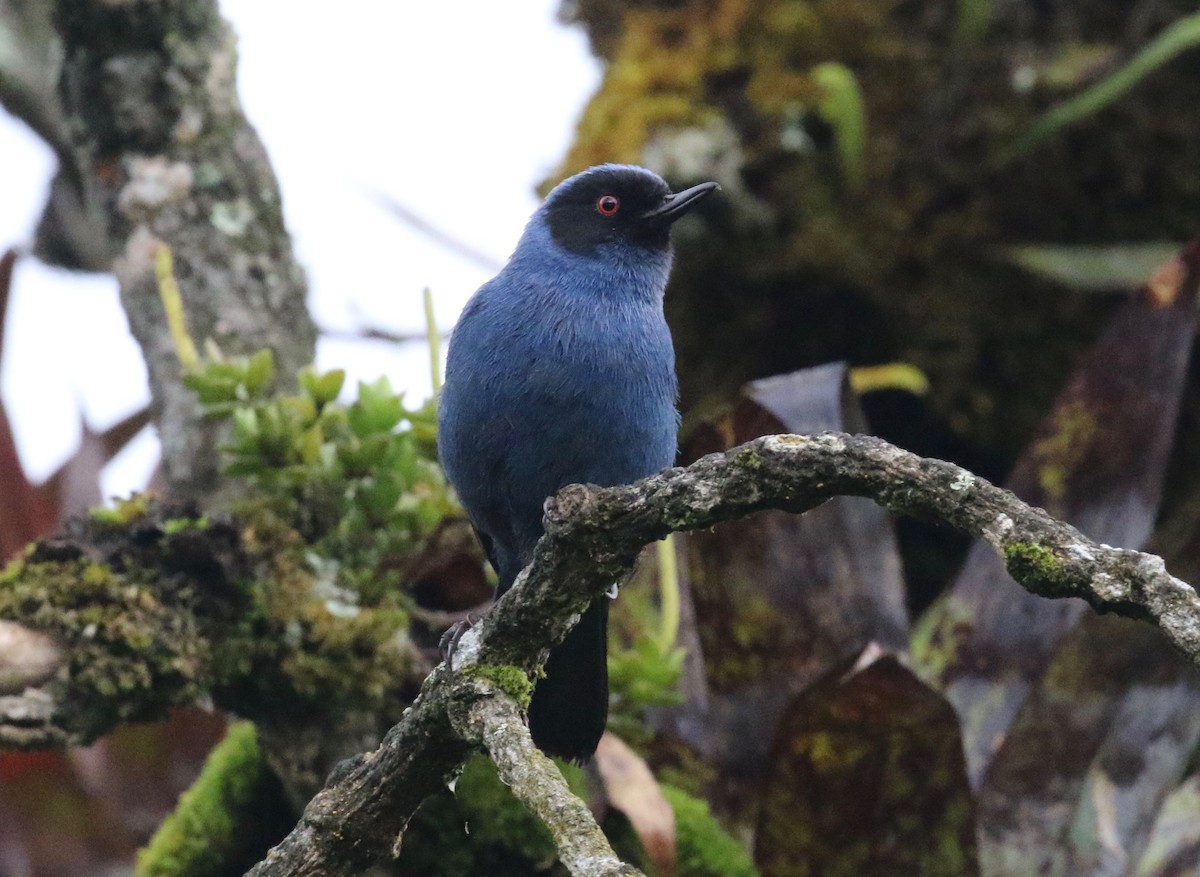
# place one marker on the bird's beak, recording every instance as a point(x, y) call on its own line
point(674, 206)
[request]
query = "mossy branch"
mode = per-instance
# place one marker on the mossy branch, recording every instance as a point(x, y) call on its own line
point(491, 719)
point(134, 642)
point(148, 606)
point(593, 535)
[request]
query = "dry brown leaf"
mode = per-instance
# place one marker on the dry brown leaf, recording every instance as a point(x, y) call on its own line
point(632, 789)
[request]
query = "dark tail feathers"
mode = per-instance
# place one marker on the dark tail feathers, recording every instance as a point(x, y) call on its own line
point(570, 705)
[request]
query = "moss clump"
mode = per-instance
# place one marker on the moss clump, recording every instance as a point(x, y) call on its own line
point(175, 526)
point(750, 459)
point(1038, 567)
point(307, 644)
point(346, 660)
point(231, 814)
point(125, 511)
point(703, 848)
point(481, 828)
point(513, 681)
point(131, 653)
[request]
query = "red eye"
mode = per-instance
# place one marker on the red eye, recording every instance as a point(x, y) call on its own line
point(608, 205)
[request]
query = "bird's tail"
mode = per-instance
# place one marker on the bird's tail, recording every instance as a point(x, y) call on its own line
point(570, 705)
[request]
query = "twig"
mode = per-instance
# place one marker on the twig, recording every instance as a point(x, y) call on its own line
point(492, 720)
point(439, 236)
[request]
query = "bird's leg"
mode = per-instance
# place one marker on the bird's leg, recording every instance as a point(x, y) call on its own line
point(615, 588)
point(449, 639)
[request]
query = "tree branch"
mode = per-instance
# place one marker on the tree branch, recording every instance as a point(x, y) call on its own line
point(493, 721)
point(148, 606)
point(164, 154)
point(594, 534)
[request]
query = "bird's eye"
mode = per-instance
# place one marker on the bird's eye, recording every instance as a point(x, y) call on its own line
point(607, 205)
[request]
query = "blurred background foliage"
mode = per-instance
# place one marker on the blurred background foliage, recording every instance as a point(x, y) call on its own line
point(972, 190)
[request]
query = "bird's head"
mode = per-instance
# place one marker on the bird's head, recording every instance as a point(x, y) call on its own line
point(616, 203)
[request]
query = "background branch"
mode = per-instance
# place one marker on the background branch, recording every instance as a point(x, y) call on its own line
point(162, 153)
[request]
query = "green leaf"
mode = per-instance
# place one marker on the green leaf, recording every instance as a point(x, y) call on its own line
point(1091, 268)
point(298, 409)
point(323, 388)
point(378, 408)
point(1178, 37)
point(380, 495)
point(310, 444)
point(245, 424)
point(260, 370)
point(843, 108)
point(211, 388)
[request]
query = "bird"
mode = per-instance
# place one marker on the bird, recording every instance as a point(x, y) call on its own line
point(561, 370)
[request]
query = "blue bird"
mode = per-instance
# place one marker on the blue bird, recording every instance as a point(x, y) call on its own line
point(561, 371)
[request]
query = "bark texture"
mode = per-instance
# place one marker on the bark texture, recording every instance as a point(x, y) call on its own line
point(163, 154)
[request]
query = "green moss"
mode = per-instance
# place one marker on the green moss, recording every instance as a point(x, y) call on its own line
point(12, 572)
point(655, 81)
point(703, 848)
point(217, 826)
point(680, 521)
point(125, 511)
point(480, 829)
point(340, 660)
point(513, 681)
point(1039, 568)
point(750, 459)
point(122, 640)
point(174, 526)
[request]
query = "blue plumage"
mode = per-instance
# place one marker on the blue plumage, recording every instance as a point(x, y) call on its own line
point(561, 371)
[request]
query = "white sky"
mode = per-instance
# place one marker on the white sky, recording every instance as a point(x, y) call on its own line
point(456, 110)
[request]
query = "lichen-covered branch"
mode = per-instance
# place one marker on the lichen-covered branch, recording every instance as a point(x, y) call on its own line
point(594, 534)
point(163, 154)
point(132, 632)
point(493, 721)
point(148, 606)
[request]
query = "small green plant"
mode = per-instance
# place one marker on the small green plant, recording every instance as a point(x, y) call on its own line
point(358, 479)
point(647, 671)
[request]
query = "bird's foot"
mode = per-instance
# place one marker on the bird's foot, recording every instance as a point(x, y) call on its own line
point(449, 641)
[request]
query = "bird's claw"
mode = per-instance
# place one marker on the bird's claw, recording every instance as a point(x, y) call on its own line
point(449, 640)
